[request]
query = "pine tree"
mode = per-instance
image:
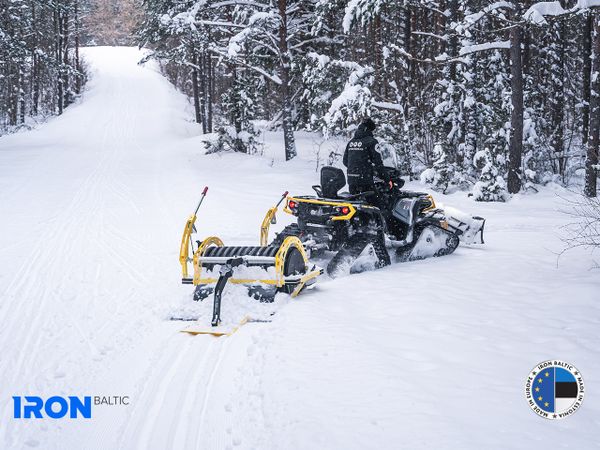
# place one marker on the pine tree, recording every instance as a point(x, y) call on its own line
point(491, 186)
point(275, 32)
point(441, 173)
point(237, 132)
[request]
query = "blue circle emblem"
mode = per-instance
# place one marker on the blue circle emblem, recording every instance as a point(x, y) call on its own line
point(554, 389)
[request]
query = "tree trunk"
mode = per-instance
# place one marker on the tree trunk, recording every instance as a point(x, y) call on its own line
point(65, 36)
point(516, 119)
point(238, 144)
point(195, 88)
point(377, 56)
point(202, 94)
point(13, 100)
point(287, 122)
point(77, 59)
point(210, 92)
point(591, 163)
point(21, 97)
point(414, 23)
point(35, 80)
point(558, 97)
point(407, 38)
point(471, 122)
point(587, 71)
point(452, 138)
point(58, 37)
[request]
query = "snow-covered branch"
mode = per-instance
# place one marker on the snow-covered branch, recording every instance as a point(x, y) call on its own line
point(538, 12)
point(471, 19)
point(388, 106)
point(237, 3)
point(466, 50)
point(272, 77)
point(213, 23)
point(433, 35)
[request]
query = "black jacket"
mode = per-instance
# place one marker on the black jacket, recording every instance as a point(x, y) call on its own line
point(363, 160)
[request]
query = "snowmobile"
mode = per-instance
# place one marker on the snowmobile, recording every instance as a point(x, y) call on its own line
point(407, 223)
point(264, 269)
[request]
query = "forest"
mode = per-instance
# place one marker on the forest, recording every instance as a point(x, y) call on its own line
point(468, 94)
point(41, 71)
point(40, 68)
point(492, 97)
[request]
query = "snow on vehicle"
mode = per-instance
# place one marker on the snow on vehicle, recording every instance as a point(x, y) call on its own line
point(361, 234)
point(265, 269)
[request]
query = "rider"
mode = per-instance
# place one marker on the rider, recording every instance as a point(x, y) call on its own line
point(364, 161)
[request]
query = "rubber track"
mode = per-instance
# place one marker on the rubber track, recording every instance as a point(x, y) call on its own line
point(354, 248)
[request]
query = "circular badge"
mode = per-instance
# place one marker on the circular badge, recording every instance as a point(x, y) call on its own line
point(554, 389)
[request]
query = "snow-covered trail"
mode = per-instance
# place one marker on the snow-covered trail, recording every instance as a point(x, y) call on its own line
point(431, 354)
point(82, 252)
point(93, 205)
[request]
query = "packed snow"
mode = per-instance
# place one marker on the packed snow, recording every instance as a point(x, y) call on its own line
point(427, 354)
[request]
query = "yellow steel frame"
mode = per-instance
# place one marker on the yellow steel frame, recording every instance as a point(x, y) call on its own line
point(289, 242)
point(323, 202)
point(266, 224)
point(208, 242)
point(278, 281)
point(187, 234)
point(184, 247)
point(280, 256)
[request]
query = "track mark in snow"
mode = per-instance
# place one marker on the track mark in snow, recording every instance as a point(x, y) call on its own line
point(159, 395)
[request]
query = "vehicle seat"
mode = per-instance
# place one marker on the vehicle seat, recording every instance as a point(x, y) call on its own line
point(332, 180)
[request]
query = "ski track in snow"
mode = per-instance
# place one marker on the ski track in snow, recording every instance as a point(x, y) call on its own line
point(429, 354)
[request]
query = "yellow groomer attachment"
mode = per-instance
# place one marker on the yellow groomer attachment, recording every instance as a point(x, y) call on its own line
point(265, 269)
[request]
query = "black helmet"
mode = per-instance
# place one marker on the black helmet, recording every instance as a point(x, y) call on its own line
point(368, 124)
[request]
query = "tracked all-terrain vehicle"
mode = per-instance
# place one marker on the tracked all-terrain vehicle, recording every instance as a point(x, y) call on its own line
point(404, 226)
point(347, 232)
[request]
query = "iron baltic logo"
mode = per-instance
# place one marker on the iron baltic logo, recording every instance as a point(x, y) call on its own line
point(59, 407)
point(554, 389)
